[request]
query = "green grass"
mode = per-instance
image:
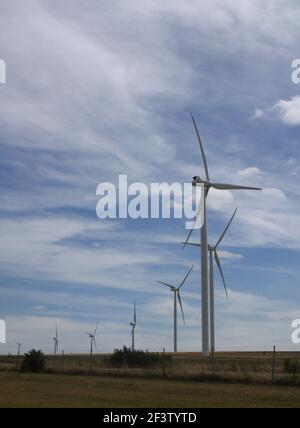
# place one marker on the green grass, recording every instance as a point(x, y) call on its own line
point(49, 390)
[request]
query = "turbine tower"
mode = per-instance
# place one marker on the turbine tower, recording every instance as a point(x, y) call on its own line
point(133, 325)
point(176, 291)
point(18, 354)
point(207, 184)
point(19, 348)
point(213, 254)
point(55, 338)
point(93, 342)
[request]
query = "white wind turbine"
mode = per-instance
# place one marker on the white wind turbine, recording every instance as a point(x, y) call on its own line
point(133, 325)
point(213, 254)
point(19, 349)
point(55, 338)
point(18, 354)
point(207, 184)
point(93, 343)
point(176, 291)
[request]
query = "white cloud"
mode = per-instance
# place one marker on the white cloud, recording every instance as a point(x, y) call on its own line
point(251, 171)
point(258, 113)
point(228, 255)
point(274, 193)
point(289, 111)
point(220, 200)
point(40, 248)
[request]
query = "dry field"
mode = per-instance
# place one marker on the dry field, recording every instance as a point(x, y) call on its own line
point(239, 379)
point(48, 390)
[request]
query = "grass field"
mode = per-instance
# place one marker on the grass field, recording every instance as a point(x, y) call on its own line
point(48, 390)
point(238, 379)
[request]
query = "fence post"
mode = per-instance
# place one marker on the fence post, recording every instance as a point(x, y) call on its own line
point(273, 363)
point(163, 364)
point(62, 360)
point(212, 360)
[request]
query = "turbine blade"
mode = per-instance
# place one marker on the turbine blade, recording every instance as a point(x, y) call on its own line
point(96, 328)
point(184, 279)
point(201, 148)
point(223, 186)
point(180, 303)
point(191, 230)
point(188, 237)
point(221, 272)
point(226, 228)
point(134, 313)
point(191, 243)
point(94, 340)
point(165, 283)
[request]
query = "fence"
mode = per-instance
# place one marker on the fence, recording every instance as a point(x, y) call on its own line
point(251, 367)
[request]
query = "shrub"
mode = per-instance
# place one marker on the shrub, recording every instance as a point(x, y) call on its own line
point(138, 358)
point(291, 367)
point(33, 361)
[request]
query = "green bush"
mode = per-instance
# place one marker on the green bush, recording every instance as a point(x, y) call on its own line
point(291, 367)
point(33, 361)
point(138, 358)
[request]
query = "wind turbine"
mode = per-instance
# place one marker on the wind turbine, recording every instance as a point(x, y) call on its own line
point(93, 342)
point(133, 325)
point(207, 184)
point(19, 348)
point(176, 291)
point(213, 254)
point(18, 354)
point(55, 338)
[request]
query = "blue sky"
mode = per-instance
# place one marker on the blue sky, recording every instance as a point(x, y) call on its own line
point(99, 89)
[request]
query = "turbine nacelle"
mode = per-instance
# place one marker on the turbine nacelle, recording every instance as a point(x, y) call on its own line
point(196, 180)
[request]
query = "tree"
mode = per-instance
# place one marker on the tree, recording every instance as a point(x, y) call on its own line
point(291, 367)
point(33, 361)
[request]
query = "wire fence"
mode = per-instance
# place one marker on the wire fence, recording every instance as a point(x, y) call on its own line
point(277, 367)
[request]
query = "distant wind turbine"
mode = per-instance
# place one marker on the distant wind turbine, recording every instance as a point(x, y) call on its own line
point(55, 338)
point(18, 354)
point(93, 340)
point(207, 184)
point(176, 291)
point(19, 348)
point(213, 254)
point(133, 325)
